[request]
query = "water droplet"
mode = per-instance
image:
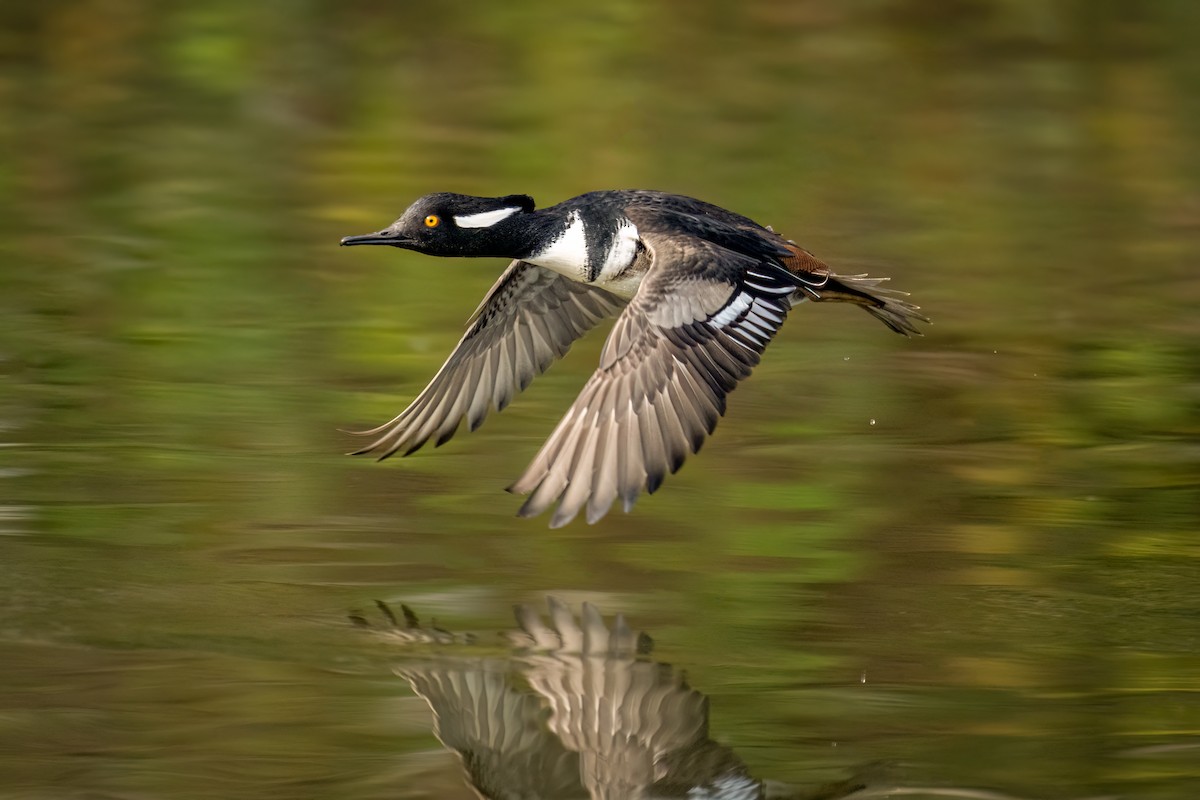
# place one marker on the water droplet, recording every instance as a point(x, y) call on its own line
point(872, 421)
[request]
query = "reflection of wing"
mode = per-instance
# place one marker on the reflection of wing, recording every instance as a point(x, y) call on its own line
point(497, 732)
point(598, 720)
point(528, 319)
point(638, 727)
point(567, 636)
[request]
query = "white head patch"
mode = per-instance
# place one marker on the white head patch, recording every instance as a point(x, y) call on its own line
point(732, 311)
point(485, 219)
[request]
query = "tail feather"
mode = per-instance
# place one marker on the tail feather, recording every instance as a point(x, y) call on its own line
point(821, 284)
point(886, 305)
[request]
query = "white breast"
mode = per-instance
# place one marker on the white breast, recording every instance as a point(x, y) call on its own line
point(566, 255)
point(620, 253)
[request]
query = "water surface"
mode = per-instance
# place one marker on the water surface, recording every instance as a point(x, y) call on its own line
point(970, 558)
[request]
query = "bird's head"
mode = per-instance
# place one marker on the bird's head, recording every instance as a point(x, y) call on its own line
point(445, 224)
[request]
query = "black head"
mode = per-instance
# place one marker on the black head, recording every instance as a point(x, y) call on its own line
point(445, 224)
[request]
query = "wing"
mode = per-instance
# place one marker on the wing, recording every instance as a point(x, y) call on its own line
point(528, 319)
point(696, 327)
point(498, 731)
point(640, 730)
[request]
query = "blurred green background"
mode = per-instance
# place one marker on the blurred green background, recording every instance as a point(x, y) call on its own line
point(974, 555)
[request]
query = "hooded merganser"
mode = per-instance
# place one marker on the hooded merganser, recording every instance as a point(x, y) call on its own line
point(698, 292)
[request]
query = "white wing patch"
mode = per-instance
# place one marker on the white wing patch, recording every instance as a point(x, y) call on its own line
point(732, 311)
point(752, 317)
point(567, 255)
point(485, 219)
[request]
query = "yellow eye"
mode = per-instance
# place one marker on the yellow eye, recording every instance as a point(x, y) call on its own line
point(432, 221)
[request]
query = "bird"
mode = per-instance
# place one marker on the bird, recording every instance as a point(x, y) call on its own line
point(698, 292)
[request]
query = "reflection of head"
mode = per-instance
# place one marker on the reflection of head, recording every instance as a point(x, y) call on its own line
point(579, 712)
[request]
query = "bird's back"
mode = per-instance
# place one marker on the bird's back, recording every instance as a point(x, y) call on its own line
point(663, 214)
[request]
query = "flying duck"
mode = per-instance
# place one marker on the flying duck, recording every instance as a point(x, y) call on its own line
point(698, 292)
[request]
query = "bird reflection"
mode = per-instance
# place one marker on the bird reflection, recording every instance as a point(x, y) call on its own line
point(579, 711)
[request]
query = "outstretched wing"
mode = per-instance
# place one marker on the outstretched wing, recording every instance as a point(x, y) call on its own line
point(498, 731)
point(697, 326)
point(640, 730)
point(528, 319)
